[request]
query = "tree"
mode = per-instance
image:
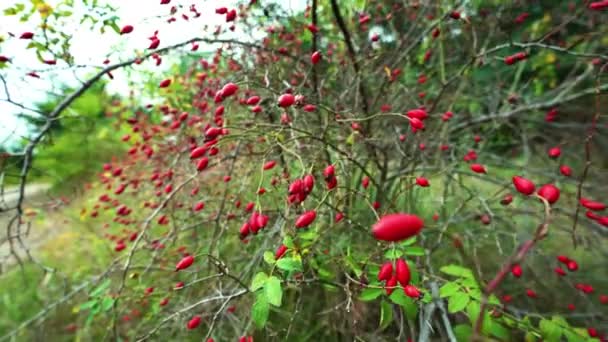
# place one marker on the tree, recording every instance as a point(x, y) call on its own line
point(346, 175)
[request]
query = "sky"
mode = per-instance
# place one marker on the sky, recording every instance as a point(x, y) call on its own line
point(91, 48)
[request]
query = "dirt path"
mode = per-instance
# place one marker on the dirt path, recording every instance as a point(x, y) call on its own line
point(34, 193)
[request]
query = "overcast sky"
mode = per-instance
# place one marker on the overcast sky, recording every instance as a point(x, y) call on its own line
point(91, 48)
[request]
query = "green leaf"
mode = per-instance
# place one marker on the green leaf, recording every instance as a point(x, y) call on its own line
point(408, 304)
point(260, 310)
point(386, 314)
point(258, 281)
point(500, 332)
point(457, 303)
point(353, 265)
point(493, 300)
point(87, 305)
point(463, 332)
point(288, 242)
point(550, 330)
point(448, 289)
point(457, 271)
point(101, 288)
point(107, 303)
point(273, 291)
point(289, 264)
point(269, 257)
point(408, 242)
point(370, 294)
point(415, 251)
point(393, 253)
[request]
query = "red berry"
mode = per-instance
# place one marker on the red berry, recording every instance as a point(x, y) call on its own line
point(549, 192)
point(478, 168)
point(423, 182)
point(286, 100)
point(194, 322)
point(554, 152)
point(516, 270)
point(523, 185)
point(165, 83)
point(565, 170)
point(315, 57)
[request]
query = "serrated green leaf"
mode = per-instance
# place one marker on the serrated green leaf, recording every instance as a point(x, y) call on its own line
point(463, 332)
point(386, 314)
point(448, 289)
point(457, 271)
point(260, 310)
point(289, 264)
point(269, 257)
point(370, 294)
point(258, 281)
point(415, 251)
point(458, 302)
point(273, 291)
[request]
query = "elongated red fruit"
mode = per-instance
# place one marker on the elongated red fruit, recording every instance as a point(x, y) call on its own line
point(126, 29)
point(397, 227)
point(423, 182)
point(403, 272)
point(26, 35)
point(199, 206)
point(478, 168)
point(165, 83)
point(386, 271)
point(411, 291)
point(592, 205)
point(391, 284)
point(198, 152)
point(194, 322)
point(202, 164)
point(229, 89)
point(549, 192)
point(280, 252)
point(184, 263)
point(365, 182)
point(523, 185)
point(269, 165)
point(315, 57)
point(306, 219)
